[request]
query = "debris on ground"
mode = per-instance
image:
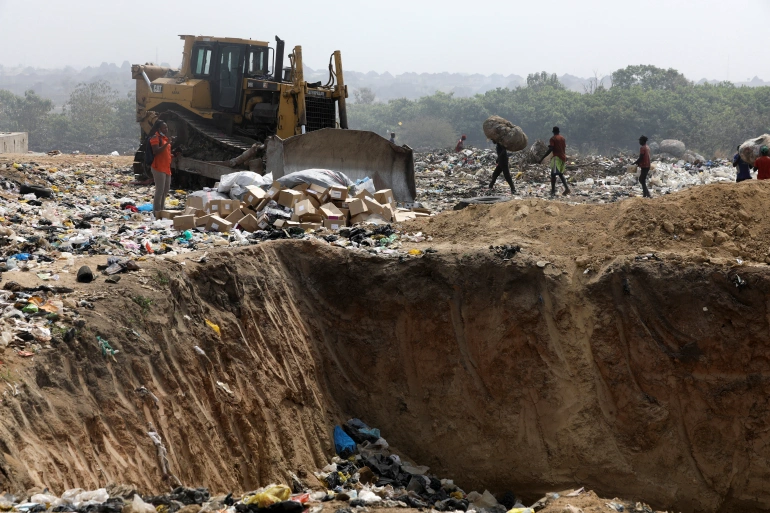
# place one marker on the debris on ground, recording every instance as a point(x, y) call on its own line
point(367, 473)
point(444, 178)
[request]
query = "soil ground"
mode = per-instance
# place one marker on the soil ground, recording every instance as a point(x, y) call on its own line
point(598, 367)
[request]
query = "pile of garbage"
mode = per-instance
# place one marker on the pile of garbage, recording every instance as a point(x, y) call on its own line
point(309, 200)
point(52, 215)
point(365, 474)
point(444, 177)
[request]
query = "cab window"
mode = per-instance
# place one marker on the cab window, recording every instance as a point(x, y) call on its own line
point(256, 65)
point(202, 60)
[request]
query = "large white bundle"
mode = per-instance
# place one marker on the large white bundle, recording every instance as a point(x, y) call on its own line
point(673, 147)
point(502, 131)
point(750, 150)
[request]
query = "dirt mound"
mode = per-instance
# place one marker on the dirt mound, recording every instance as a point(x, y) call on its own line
point(718, 222)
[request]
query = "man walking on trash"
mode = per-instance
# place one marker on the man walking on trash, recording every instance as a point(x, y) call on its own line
point(393, 137)
point(744, 170)
point(558, 146)
point(502, 167)
point(762, 164)
point(460, 145)
point(644, 163)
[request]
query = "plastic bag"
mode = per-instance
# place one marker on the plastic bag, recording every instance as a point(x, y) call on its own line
point(343, 444)
point(43, 498)
point(364, 184)
point(322, 177)
point(99, 496)
point(360, 432)
point(236, 183)
point(269, 496)
point(139, 506)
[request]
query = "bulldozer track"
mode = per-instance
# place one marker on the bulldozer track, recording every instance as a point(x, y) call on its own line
point(209, 132)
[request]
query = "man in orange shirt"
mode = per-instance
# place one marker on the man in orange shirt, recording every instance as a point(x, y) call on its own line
point(161, 167)
point(762, 164)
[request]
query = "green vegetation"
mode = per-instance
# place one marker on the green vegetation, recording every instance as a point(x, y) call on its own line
point(92, 120)
point(144, 302)
point(661, 104)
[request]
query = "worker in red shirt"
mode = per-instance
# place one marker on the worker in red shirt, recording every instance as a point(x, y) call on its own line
point(644, 163)
point(762, 164)
point(557, 145)
point(161, 166)
point(460, 144)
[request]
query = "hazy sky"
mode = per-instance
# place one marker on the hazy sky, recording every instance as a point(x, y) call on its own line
point(716, 39)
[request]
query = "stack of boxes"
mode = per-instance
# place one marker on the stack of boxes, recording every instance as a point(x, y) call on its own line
point(313, 207)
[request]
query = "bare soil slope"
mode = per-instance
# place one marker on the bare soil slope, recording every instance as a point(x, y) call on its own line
point(643, 379)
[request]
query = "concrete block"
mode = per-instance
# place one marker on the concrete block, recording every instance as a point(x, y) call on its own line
point(13, 142)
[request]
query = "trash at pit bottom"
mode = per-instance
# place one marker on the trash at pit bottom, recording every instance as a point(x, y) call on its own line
point(343, 444)
point(360, 432)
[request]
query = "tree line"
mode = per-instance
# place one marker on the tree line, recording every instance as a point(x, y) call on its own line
point(95, 119)
point(641, 100)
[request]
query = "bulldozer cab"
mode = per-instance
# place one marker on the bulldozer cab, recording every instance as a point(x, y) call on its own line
point(224, 65)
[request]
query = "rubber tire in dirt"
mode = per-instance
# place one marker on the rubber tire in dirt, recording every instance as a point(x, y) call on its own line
point(482, 200)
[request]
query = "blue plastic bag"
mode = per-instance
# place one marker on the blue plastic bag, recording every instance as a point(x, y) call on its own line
point(21, 257)
point(360, 432)
point(147, 207)
point(343, 444)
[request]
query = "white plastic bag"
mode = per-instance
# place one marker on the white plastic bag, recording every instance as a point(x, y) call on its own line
point(139, 506)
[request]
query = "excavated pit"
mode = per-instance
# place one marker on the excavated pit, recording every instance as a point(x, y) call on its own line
point(646, 380)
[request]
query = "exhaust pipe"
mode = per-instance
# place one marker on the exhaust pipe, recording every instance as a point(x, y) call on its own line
point(278, 71)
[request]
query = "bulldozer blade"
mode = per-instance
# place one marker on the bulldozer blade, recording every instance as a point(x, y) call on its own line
point(356, 153)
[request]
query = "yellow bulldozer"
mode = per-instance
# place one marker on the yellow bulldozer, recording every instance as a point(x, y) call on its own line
point(231, 96)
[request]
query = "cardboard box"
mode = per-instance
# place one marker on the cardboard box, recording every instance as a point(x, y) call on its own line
point(338, 193)
point(314, 201)
point(304, 208)
point(400, 217)
point(318, 188)
point(217, 224)
point(345, 213)
point(184, 222)
point(249, 223)
point(168, 214)
point(335, 224)
point(202, 220)
point(301, 187)
point(288, 197)
point(253, 195)
point(310, 226)
point(283, 223)
point(363, 193)
point(330, 211)
point(262, 205)
point(274, 190)
point(222, 208)
point(194, 202)
point(312, 218)
point(235, 216)
point(263, 222)
point(357, 206)
point(385, 196)
point(360, 218)
point(189, 211)
point(374, 206)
